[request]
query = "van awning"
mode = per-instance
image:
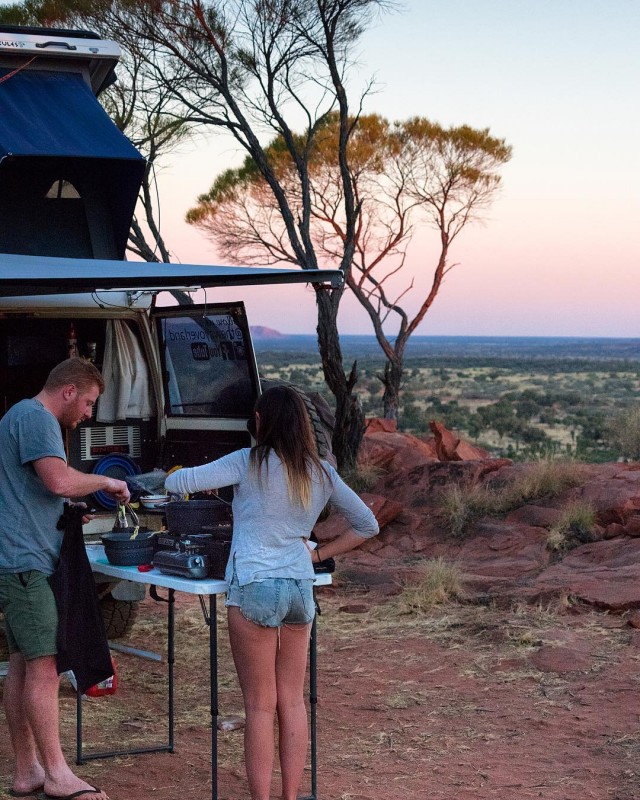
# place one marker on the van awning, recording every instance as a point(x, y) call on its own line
point(41, 275)
point(51, 118)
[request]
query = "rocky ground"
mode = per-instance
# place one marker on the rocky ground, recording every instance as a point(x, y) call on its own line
point(526, 688)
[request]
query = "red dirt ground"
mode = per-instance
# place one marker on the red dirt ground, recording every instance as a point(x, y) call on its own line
point(464, 702)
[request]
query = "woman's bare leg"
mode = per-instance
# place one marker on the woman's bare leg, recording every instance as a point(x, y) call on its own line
point(291, 667)
point(254, 653)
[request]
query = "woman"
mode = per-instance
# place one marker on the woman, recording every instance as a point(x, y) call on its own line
point(280, 488)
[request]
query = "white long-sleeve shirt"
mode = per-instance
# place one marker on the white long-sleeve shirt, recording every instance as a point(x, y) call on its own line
point(269, 531)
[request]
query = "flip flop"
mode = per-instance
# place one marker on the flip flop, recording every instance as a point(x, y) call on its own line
point(35, 791)
point(72, 795)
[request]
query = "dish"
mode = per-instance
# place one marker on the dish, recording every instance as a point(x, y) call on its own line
point(152, 501)
point(114, 466)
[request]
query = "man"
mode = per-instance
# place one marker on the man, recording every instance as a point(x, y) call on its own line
point(34, 479)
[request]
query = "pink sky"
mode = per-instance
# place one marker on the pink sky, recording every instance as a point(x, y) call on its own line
point(559, 253)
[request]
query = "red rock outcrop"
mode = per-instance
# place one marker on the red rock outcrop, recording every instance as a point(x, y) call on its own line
point(450, 447)
point(395, 451)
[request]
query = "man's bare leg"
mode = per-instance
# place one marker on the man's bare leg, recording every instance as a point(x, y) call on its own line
point(29, 773)
point(40, 697)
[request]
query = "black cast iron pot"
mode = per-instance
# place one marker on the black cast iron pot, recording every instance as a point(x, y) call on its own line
point(194, 516)
point(123, 551)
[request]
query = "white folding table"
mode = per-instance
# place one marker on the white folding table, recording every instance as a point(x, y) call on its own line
point(206, 588)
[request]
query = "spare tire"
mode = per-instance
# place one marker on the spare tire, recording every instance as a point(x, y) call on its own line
point(322, 422)
point(320, 416)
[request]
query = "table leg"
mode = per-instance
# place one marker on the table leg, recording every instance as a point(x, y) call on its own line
point(213, 668)
point(171, 658)
point(313, 705)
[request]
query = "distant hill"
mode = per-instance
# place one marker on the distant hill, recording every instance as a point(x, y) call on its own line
point(262, 332)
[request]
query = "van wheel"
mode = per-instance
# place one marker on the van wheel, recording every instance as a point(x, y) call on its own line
point(4, 647)
point(118, 615)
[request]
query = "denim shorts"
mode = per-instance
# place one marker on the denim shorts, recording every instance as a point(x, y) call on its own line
point(30, 614)
point(274, 601)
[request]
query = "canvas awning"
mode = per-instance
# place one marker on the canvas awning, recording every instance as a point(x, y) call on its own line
point(41, 275)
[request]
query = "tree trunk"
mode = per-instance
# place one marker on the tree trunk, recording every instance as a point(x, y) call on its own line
point(349, 425)
point(391, 380)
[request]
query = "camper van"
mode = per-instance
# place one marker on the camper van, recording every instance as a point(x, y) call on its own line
point(181, 380)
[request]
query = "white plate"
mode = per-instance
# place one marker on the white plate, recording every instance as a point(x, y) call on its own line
point(154, 500)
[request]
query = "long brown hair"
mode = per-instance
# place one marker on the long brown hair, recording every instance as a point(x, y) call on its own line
point(284, 427)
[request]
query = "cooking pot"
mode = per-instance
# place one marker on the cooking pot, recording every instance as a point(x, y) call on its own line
point(123, 551)
point(192, 516)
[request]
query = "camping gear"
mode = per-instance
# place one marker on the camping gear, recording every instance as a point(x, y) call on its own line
point(184, 565)
point(154, 502)
point(192, 516)
point(105, 687)
point(214, 544)
point(123, 551)
point(118, 466)
point(128, 545)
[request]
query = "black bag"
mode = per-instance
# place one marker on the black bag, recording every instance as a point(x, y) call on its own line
point(82, 641)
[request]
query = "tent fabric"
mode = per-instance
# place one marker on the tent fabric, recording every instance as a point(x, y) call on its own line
point(55, 114)
point(51, 125)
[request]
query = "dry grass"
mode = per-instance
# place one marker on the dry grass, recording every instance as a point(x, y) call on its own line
point(363, 477)
point(574, 527)
point(440, 582)
point(461, 505)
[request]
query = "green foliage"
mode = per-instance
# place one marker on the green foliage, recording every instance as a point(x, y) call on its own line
point(624, 431)
point(573, 405)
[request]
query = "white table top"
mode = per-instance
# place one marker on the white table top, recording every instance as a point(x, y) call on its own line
point(204, 586)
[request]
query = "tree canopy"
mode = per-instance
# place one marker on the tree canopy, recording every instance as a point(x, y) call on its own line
point(403, 175)
point(255, 70)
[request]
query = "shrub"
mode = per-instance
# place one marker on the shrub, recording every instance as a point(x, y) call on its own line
point(574, 527)
point(441, 582)
point(624, 431)
point(363, 477)
point(548, 478)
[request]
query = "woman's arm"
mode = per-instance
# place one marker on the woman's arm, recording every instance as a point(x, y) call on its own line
point(341, 544)
point(362, 519)
point(225, 471)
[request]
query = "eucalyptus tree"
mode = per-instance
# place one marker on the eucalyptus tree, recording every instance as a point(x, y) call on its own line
point(403, 175)
point(254, 69)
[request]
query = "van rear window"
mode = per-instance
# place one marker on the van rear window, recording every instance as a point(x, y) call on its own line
point(208, 365)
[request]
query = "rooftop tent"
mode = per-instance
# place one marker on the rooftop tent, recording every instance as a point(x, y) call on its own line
point(69, 179)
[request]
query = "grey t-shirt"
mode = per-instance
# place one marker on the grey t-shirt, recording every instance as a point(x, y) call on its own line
point(269, 531)
point(29, 512)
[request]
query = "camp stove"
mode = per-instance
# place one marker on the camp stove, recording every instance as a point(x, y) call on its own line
point(195, 555)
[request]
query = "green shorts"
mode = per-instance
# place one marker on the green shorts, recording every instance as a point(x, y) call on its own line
point(30, 614)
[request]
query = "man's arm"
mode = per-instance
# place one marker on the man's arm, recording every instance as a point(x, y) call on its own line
point(64, 481)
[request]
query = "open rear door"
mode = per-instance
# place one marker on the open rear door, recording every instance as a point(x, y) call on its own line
point(210, 380)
